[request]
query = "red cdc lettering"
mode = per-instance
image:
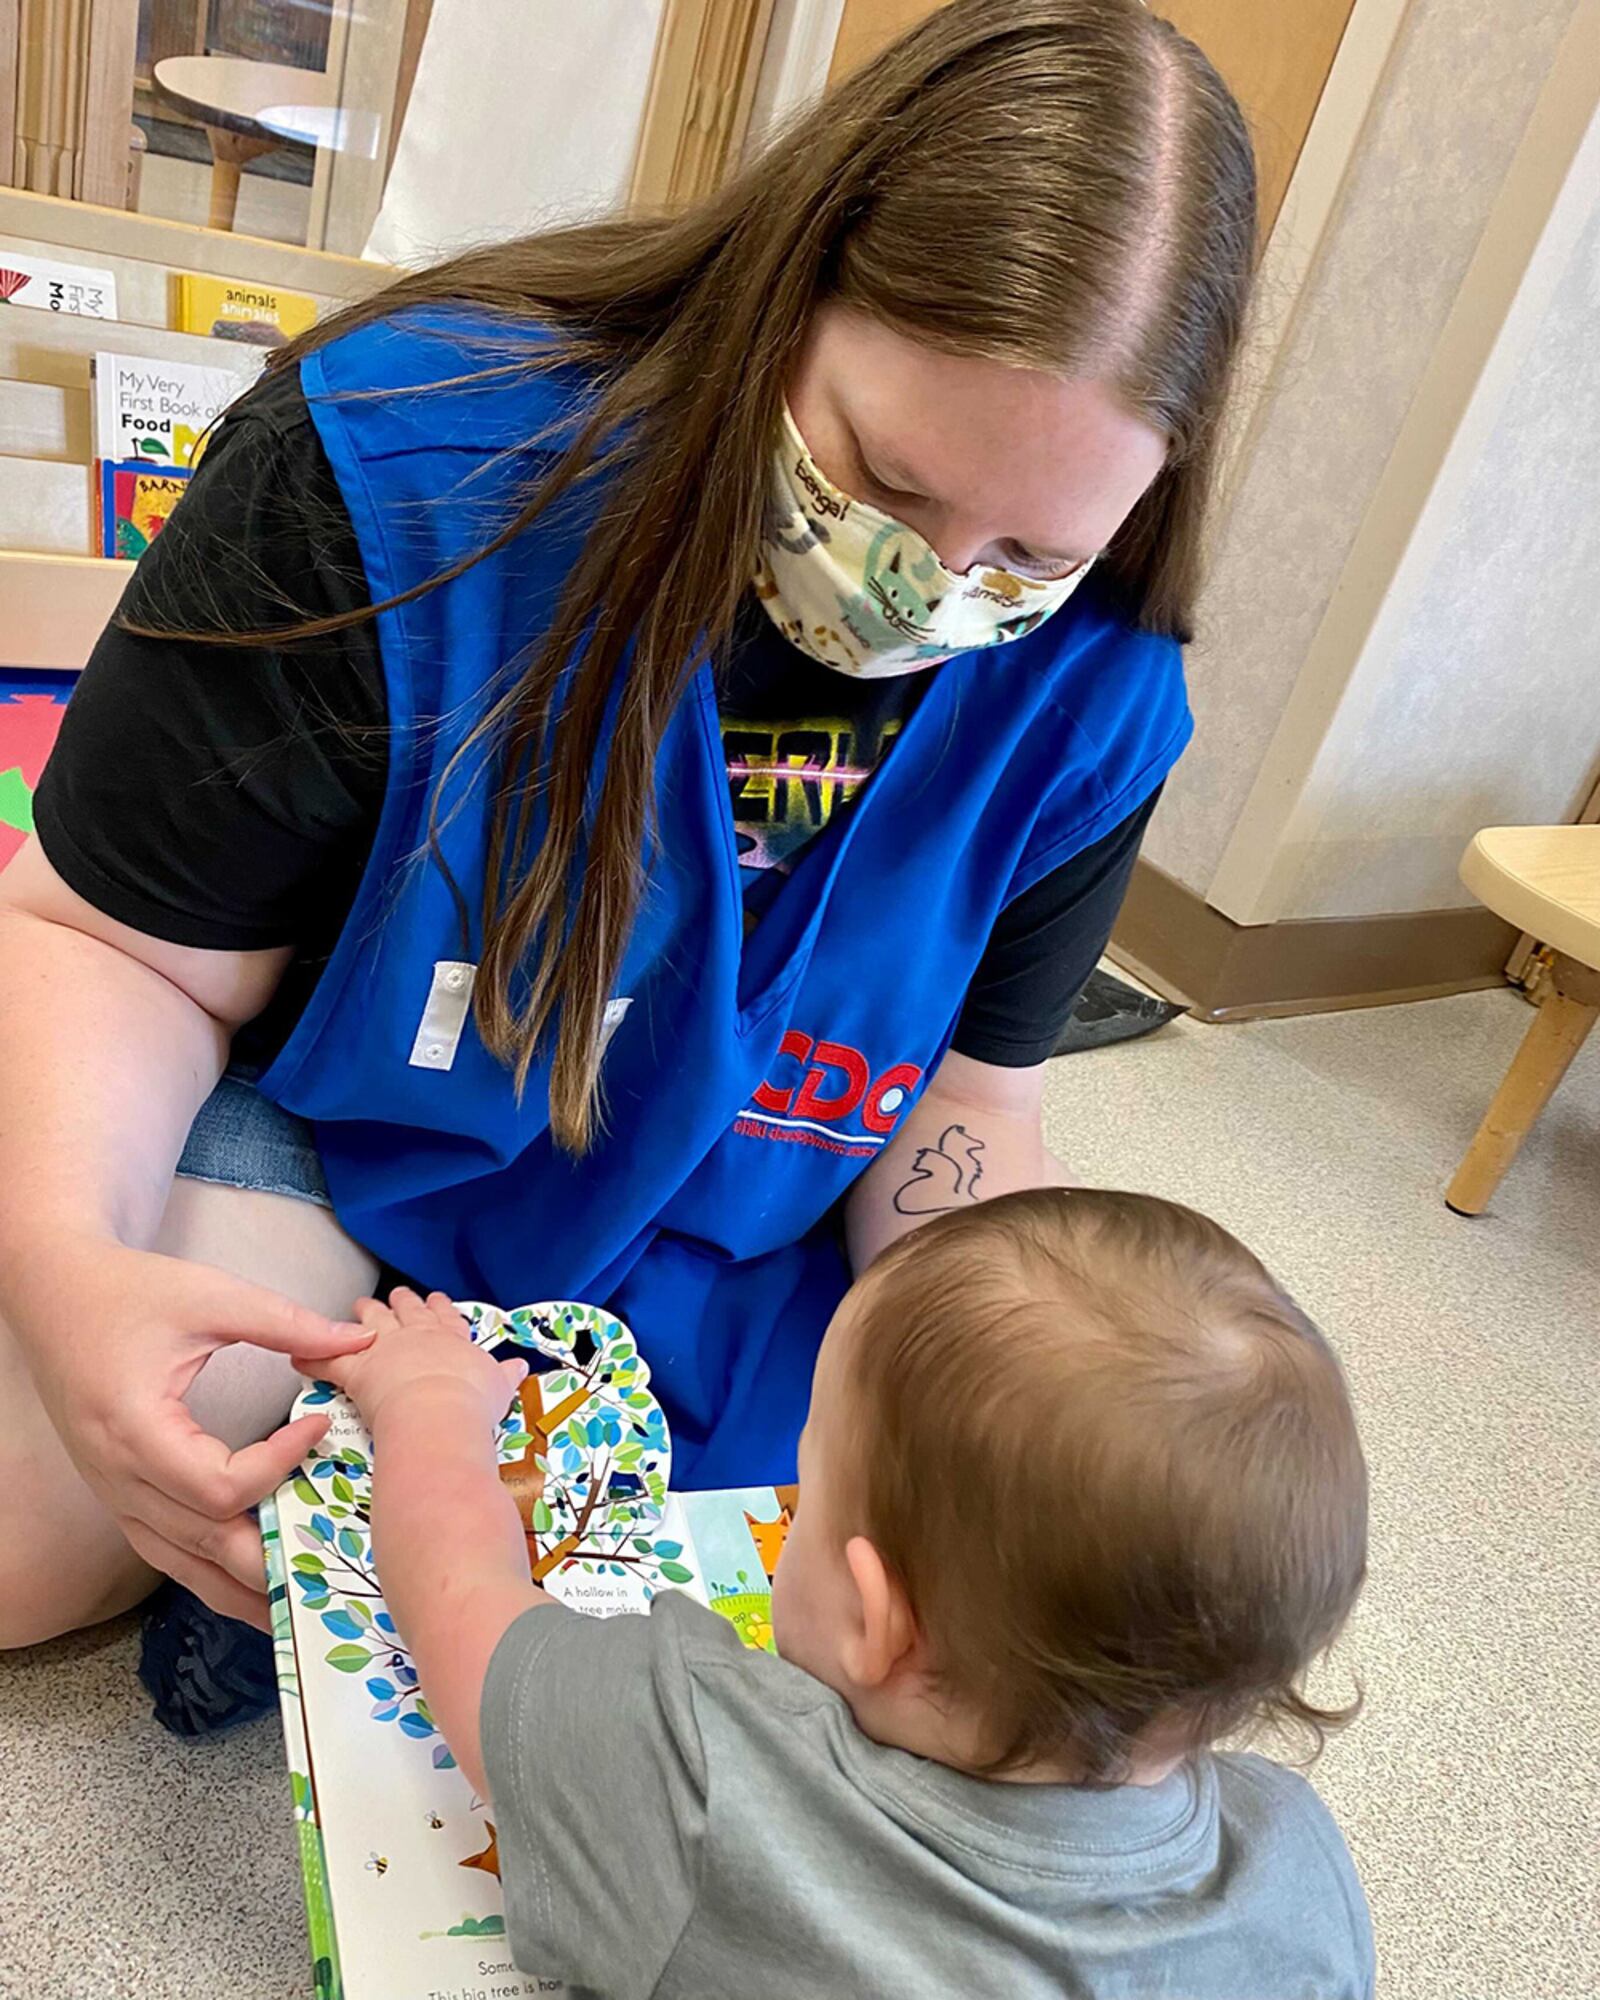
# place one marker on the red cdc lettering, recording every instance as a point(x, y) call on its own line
point(837, 1083)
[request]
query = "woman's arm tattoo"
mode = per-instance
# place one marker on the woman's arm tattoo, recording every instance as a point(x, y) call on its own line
point(943, 1176)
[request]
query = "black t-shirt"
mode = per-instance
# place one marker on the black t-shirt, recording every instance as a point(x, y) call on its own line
point(800, 741)
point(226, 796)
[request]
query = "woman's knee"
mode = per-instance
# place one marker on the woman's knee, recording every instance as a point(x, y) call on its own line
point(292, 1246)
point(63, 1561)
point(48, 1589)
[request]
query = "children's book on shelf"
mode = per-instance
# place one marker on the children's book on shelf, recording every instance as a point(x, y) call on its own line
point(398, 1851)
point(232, 309)
point(32, 703)
point(82, 291)
point(156, 412)
point(134, 503)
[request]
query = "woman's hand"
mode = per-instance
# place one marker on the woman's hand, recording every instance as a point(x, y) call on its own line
point(116, 1337)
point(423, 1346)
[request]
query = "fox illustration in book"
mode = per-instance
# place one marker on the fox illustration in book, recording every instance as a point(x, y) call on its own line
point(489, 1859)
point(769, 1538)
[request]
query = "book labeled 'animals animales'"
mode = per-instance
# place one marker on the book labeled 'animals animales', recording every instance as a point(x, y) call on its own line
point(231, 309)
point(398, 1852)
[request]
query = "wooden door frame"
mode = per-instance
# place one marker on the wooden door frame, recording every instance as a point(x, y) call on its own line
point(105, 76)
point(697, 107)
point(415, 32)
point(807, 34)
point(10, 67)
point(1309, 203)
point(855, 46)
point(1520, 256)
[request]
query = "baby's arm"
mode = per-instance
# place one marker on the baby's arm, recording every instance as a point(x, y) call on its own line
point(449, 1548)
point(446, 1538)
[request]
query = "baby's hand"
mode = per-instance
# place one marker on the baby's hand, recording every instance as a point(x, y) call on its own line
point(422, 1346)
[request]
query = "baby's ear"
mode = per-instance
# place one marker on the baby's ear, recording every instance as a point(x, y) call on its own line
point(884, 1636)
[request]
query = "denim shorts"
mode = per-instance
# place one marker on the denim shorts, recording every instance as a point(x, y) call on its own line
point(241, 1139)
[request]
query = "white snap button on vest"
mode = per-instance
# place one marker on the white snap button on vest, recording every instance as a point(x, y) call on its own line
point(444, 1014)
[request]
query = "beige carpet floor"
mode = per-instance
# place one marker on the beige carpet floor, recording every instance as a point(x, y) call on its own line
point(1470, 1790)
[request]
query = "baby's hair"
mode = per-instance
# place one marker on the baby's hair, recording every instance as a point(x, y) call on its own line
point(1115, 1468)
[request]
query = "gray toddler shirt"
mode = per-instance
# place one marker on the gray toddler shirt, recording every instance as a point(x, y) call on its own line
point(681, 1818)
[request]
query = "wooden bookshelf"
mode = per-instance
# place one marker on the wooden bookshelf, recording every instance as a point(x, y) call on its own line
point(82, 233)
point(46, 475)
point(53, 608)
point(46, 493)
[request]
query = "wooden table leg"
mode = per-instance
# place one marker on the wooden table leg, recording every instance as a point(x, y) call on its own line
point(229, 152)
point(1554, 1038)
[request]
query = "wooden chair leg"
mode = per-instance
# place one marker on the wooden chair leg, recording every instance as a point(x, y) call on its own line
point(1555, 1037)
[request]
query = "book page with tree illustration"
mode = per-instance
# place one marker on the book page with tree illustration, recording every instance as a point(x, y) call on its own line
point(400, 1854)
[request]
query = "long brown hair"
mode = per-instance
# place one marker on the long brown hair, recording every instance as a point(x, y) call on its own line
point(1065, 185)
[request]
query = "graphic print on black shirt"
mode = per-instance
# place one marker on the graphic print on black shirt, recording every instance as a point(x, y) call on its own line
point(800, 741)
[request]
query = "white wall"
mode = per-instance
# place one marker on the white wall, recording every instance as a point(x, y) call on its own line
point(1450, 110)
point(524, 114)
point(1485, 707)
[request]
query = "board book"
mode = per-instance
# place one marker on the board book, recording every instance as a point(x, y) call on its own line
point(81, 291)
point(156, 413)
point(135, 503)
point(397, 1850)
point(230, 309)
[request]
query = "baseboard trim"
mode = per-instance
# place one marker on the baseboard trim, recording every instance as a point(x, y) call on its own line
point(1171, 938)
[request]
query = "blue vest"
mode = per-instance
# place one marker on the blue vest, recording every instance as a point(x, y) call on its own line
point(748, 1082)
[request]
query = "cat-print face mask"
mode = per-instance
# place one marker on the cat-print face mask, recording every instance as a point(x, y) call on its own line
point(862, 592)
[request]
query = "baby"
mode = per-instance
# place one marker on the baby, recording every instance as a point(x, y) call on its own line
point(1080, 1493)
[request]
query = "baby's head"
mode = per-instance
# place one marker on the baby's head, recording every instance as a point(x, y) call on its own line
point(1080, 1492)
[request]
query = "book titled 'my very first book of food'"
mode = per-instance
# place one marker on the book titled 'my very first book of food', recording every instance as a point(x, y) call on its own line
point(154, 412)
point(398, 1851)
point(150, 419)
